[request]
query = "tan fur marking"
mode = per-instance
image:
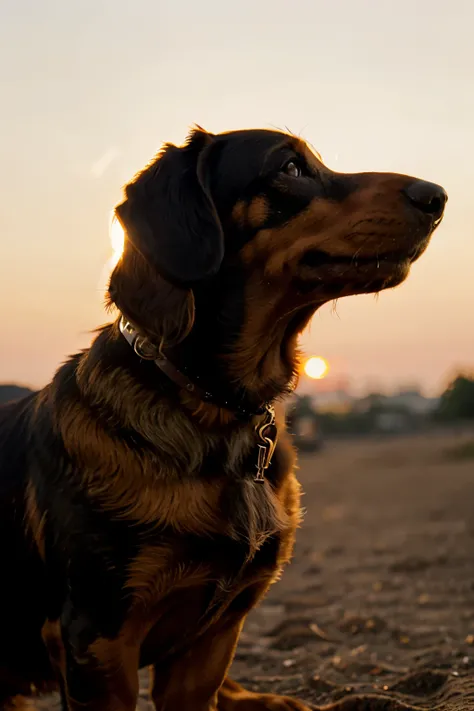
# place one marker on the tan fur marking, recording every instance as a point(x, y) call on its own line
point(142, 488)
point(257, 211)
point(118, 662)
point(145, 571)
point(256, 357)
point(309, 229)
point(239, 213)
point(121, 651)
point(342, 230)
point(154, 574)
point(191, 682)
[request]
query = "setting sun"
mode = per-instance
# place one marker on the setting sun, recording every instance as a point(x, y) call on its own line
point(316, 367)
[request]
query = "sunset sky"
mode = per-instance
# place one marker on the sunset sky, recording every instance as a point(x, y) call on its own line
point(91, 88)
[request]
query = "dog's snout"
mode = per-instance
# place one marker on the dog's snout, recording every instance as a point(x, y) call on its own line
point(427, 197)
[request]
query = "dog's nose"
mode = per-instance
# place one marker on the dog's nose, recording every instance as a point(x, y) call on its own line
point(427, 197)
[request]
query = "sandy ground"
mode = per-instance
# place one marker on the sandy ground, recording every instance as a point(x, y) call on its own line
point(376, 612)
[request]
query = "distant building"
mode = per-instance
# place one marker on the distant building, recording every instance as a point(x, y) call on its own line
point(330, 394)
point(405, 400)
point(414, 401)
point(405, 411)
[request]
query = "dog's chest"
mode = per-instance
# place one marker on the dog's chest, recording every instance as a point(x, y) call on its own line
point(210, 581)
point(224, 537)
point(185, 579)
point(228, 535)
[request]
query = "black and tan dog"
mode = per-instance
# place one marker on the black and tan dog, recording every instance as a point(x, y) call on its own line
point(144, 506)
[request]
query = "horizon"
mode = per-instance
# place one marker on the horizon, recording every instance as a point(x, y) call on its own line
point(87, 103)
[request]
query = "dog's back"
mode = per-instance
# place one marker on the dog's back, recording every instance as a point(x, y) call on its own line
point(13, 444)
point(23, 582)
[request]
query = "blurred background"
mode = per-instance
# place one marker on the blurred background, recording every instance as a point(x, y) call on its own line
point(91, 89)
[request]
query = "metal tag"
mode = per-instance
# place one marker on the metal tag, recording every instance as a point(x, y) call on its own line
point(266, 446)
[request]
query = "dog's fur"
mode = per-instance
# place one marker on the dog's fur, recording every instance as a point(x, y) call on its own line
point(132, 531)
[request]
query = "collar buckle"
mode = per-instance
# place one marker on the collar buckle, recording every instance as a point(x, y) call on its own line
point(140, 344)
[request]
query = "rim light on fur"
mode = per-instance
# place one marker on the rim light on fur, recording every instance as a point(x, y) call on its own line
point(117, 240)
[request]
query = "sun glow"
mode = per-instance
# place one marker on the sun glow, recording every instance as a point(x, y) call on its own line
point(316, 367)
point(117, 240)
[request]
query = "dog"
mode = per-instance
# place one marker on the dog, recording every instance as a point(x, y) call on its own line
point(148, 498)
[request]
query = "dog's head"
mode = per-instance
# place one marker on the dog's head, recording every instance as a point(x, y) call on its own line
point(234, 240)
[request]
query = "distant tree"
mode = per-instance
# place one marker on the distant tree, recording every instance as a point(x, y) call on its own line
point(457, 402)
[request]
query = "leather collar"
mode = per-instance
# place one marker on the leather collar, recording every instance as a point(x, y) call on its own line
point(147, 351)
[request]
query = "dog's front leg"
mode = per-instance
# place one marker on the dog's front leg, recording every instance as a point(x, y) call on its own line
point(196, 679)
point(98, 673)
point(191, 681)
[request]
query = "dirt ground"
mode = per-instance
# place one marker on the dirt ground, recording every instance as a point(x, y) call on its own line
point(376, 612)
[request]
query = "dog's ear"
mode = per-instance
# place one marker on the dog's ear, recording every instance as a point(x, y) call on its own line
point(173, 239)
point(169, 215)
point(162, 311)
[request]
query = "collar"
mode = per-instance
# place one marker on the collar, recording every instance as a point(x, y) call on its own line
point(147, 351)
point(266, 430)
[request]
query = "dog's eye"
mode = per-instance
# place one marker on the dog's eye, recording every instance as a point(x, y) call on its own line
point(292, 169)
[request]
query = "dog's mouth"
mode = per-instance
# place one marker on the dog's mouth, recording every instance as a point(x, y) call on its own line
point(318, 259)
point(321, 275)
